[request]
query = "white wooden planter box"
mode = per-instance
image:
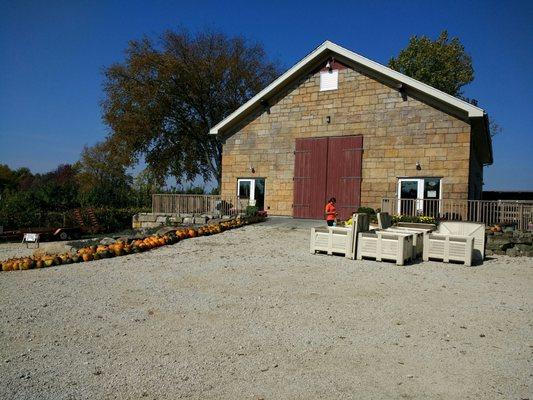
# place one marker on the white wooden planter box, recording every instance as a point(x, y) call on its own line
point(448, 248)
point(417, 238)
point(417, 225)
point(472, 229)
point(385, 221)
point(332, 239)
point(385, 245)
point(416, 230)
point(338, 239)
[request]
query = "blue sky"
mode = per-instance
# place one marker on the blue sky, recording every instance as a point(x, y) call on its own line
point(52, 54)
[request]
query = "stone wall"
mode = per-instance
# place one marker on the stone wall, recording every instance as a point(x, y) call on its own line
point(397, 132)
point(512, 243)
point(154, 220)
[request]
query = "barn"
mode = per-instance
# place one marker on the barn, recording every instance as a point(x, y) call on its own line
point(337, 124)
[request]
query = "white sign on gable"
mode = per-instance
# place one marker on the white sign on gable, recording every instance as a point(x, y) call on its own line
point(329, 80)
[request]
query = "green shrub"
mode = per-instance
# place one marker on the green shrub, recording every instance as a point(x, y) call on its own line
point(109, 219)
point(366, 210)
point(251, 210)
point(370, 211)
point(113, 219)
point(413, 218)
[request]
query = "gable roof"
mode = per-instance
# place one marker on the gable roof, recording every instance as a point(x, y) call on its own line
point(463, 109)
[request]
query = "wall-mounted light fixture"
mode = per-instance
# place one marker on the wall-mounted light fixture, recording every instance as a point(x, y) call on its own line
point(328, 119)
point(401, 89)
point(329, 64)
point(418, 167)
point(265, 105)
point(252, 169)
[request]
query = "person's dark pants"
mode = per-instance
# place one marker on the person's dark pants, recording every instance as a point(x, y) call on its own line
point(330, 223)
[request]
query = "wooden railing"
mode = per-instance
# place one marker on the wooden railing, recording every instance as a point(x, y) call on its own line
point(198, 204)
point(518, 213)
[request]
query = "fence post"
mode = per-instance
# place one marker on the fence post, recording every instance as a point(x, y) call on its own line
point(521, 217)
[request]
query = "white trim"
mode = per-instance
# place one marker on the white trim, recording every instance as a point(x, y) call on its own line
point(471, 110)
point(251, 200)
point(420, 191)
point(252, 187)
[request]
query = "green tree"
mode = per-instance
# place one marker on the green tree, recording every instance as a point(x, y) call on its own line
point(102, 177)
point(162, 100)
point(13, 179)
point(442, 63)
point(144, 185)
point(56, 190)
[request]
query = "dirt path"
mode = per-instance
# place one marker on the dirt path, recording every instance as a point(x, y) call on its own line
point(250, 314)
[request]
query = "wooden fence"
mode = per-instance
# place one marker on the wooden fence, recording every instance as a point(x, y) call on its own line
point(518, 213)
point(198, 204)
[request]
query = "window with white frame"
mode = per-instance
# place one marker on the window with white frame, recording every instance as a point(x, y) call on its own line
point(419, 196)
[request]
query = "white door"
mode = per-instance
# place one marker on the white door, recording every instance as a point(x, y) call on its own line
point(419, 196)
point(252, 190)
point(410, 191)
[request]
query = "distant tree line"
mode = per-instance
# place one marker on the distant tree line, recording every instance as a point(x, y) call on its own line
point(92, 182)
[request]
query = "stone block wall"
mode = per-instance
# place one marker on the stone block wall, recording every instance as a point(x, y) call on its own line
point(154, 220)
point(397, 133)
point(151, 220)
point(513, 244)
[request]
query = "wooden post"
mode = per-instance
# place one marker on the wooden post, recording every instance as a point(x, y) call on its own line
point(521, 218)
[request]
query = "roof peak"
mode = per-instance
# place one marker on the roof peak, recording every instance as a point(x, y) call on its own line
point(450, 101)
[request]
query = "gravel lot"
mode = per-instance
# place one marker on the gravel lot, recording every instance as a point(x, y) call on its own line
point(250, 314)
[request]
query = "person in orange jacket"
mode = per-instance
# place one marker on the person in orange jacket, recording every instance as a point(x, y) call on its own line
point(331, 212)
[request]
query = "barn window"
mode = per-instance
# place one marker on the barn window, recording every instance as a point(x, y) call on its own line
point(329, 80)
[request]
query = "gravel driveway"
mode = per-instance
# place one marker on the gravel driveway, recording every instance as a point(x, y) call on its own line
point(250, 314)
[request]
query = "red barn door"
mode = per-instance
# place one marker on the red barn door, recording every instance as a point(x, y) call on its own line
point(310, 177)
point(324, 168)
point(344, 173)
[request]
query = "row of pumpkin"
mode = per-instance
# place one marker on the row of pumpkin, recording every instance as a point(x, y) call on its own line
point(121, 248)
